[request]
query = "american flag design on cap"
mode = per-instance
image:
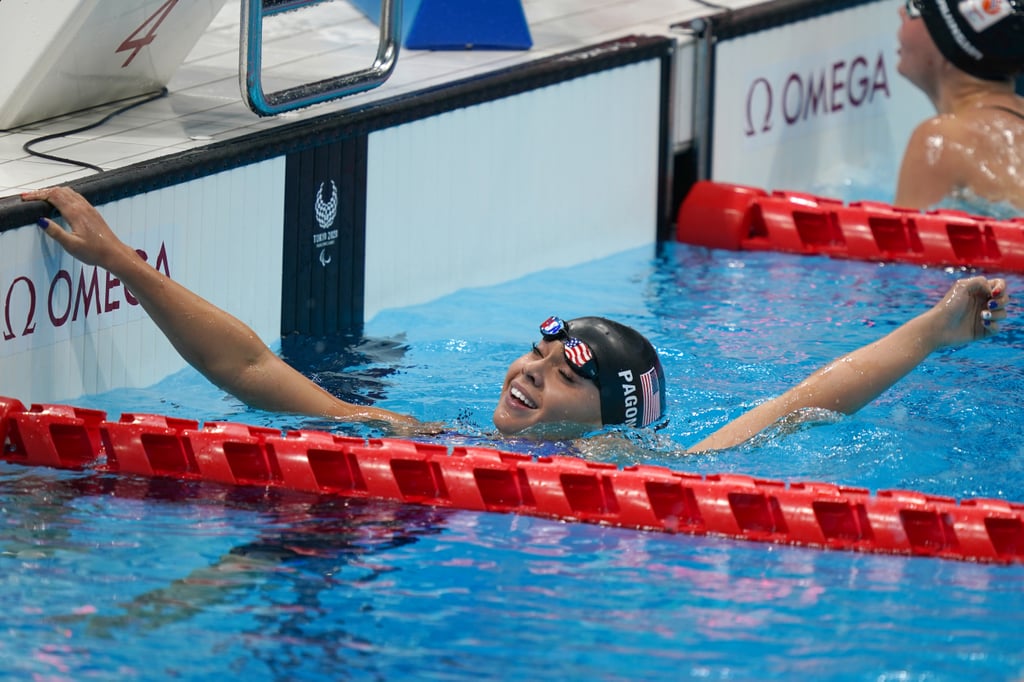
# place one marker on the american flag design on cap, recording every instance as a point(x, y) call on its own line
point(651, 390)
point(577, 353)
point(619, 360)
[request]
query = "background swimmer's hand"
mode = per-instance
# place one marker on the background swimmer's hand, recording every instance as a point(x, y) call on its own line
point(972, 309)
point(90, 239)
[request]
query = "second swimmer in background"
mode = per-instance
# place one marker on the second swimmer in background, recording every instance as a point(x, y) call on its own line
point(964, 55)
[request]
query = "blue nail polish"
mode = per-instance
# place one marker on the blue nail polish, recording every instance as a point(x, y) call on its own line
point(993, 304)
point(43, 223)
point(986, 322)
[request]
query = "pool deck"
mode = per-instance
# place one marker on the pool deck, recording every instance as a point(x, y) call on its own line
point(204, 103)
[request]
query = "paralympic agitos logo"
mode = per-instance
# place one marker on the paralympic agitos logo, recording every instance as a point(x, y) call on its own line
point(799, 96)
point(325, 211)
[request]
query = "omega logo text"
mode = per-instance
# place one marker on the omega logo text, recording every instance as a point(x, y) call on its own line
point(66, 298)
point(799, 96)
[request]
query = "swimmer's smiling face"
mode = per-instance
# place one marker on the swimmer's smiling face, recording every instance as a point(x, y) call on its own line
point(541, 388)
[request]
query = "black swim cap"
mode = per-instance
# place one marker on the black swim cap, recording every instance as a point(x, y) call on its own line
point(985, 38)
point(622, 363)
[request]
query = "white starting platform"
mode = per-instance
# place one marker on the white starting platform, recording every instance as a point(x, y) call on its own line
point(71, 55)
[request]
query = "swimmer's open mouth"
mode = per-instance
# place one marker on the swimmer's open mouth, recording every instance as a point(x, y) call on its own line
point(522, 397)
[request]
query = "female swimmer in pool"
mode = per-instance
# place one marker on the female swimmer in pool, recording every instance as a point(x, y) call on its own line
point(588, 371)
point(964, 56)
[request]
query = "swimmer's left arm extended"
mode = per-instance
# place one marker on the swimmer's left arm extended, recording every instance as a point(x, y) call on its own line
point(223, 348)
point(970, 310)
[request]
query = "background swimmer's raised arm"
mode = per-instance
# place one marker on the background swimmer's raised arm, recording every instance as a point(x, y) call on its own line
point(970, 310)
point(219, 345)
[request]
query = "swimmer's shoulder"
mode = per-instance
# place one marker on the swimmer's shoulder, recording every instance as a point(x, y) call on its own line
point(939, 142)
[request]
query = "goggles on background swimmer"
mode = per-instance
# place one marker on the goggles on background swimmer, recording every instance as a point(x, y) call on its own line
point(913, 8)
point(577, 352)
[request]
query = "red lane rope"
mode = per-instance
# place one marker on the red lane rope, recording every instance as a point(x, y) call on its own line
point(820, 515)
point(741, 218)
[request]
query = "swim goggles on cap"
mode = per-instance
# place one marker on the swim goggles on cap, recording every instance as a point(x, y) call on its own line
point(577, 352)
point(913, 8)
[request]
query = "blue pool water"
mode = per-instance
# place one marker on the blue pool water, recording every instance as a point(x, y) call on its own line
point(121, 578)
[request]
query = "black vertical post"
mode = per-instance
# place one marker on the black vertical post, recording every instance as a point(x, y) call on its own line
point(324, 243)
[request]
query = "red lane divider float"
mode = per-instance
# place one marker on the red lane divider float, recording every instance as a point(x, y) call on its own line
point(820, 515)
point(736, 217)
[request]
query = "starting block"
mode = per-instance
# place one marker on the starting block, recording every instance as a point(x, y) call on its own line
point(458, 24)
point(83, 53)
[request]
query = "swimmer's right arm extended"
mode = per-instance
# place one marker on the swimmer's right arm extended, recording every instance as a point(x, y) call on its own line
point(219, 345)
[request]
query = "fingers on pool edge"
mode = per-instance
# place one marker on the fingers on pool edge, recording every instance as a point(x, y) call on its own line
point(52, 229)
point(47, 225)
